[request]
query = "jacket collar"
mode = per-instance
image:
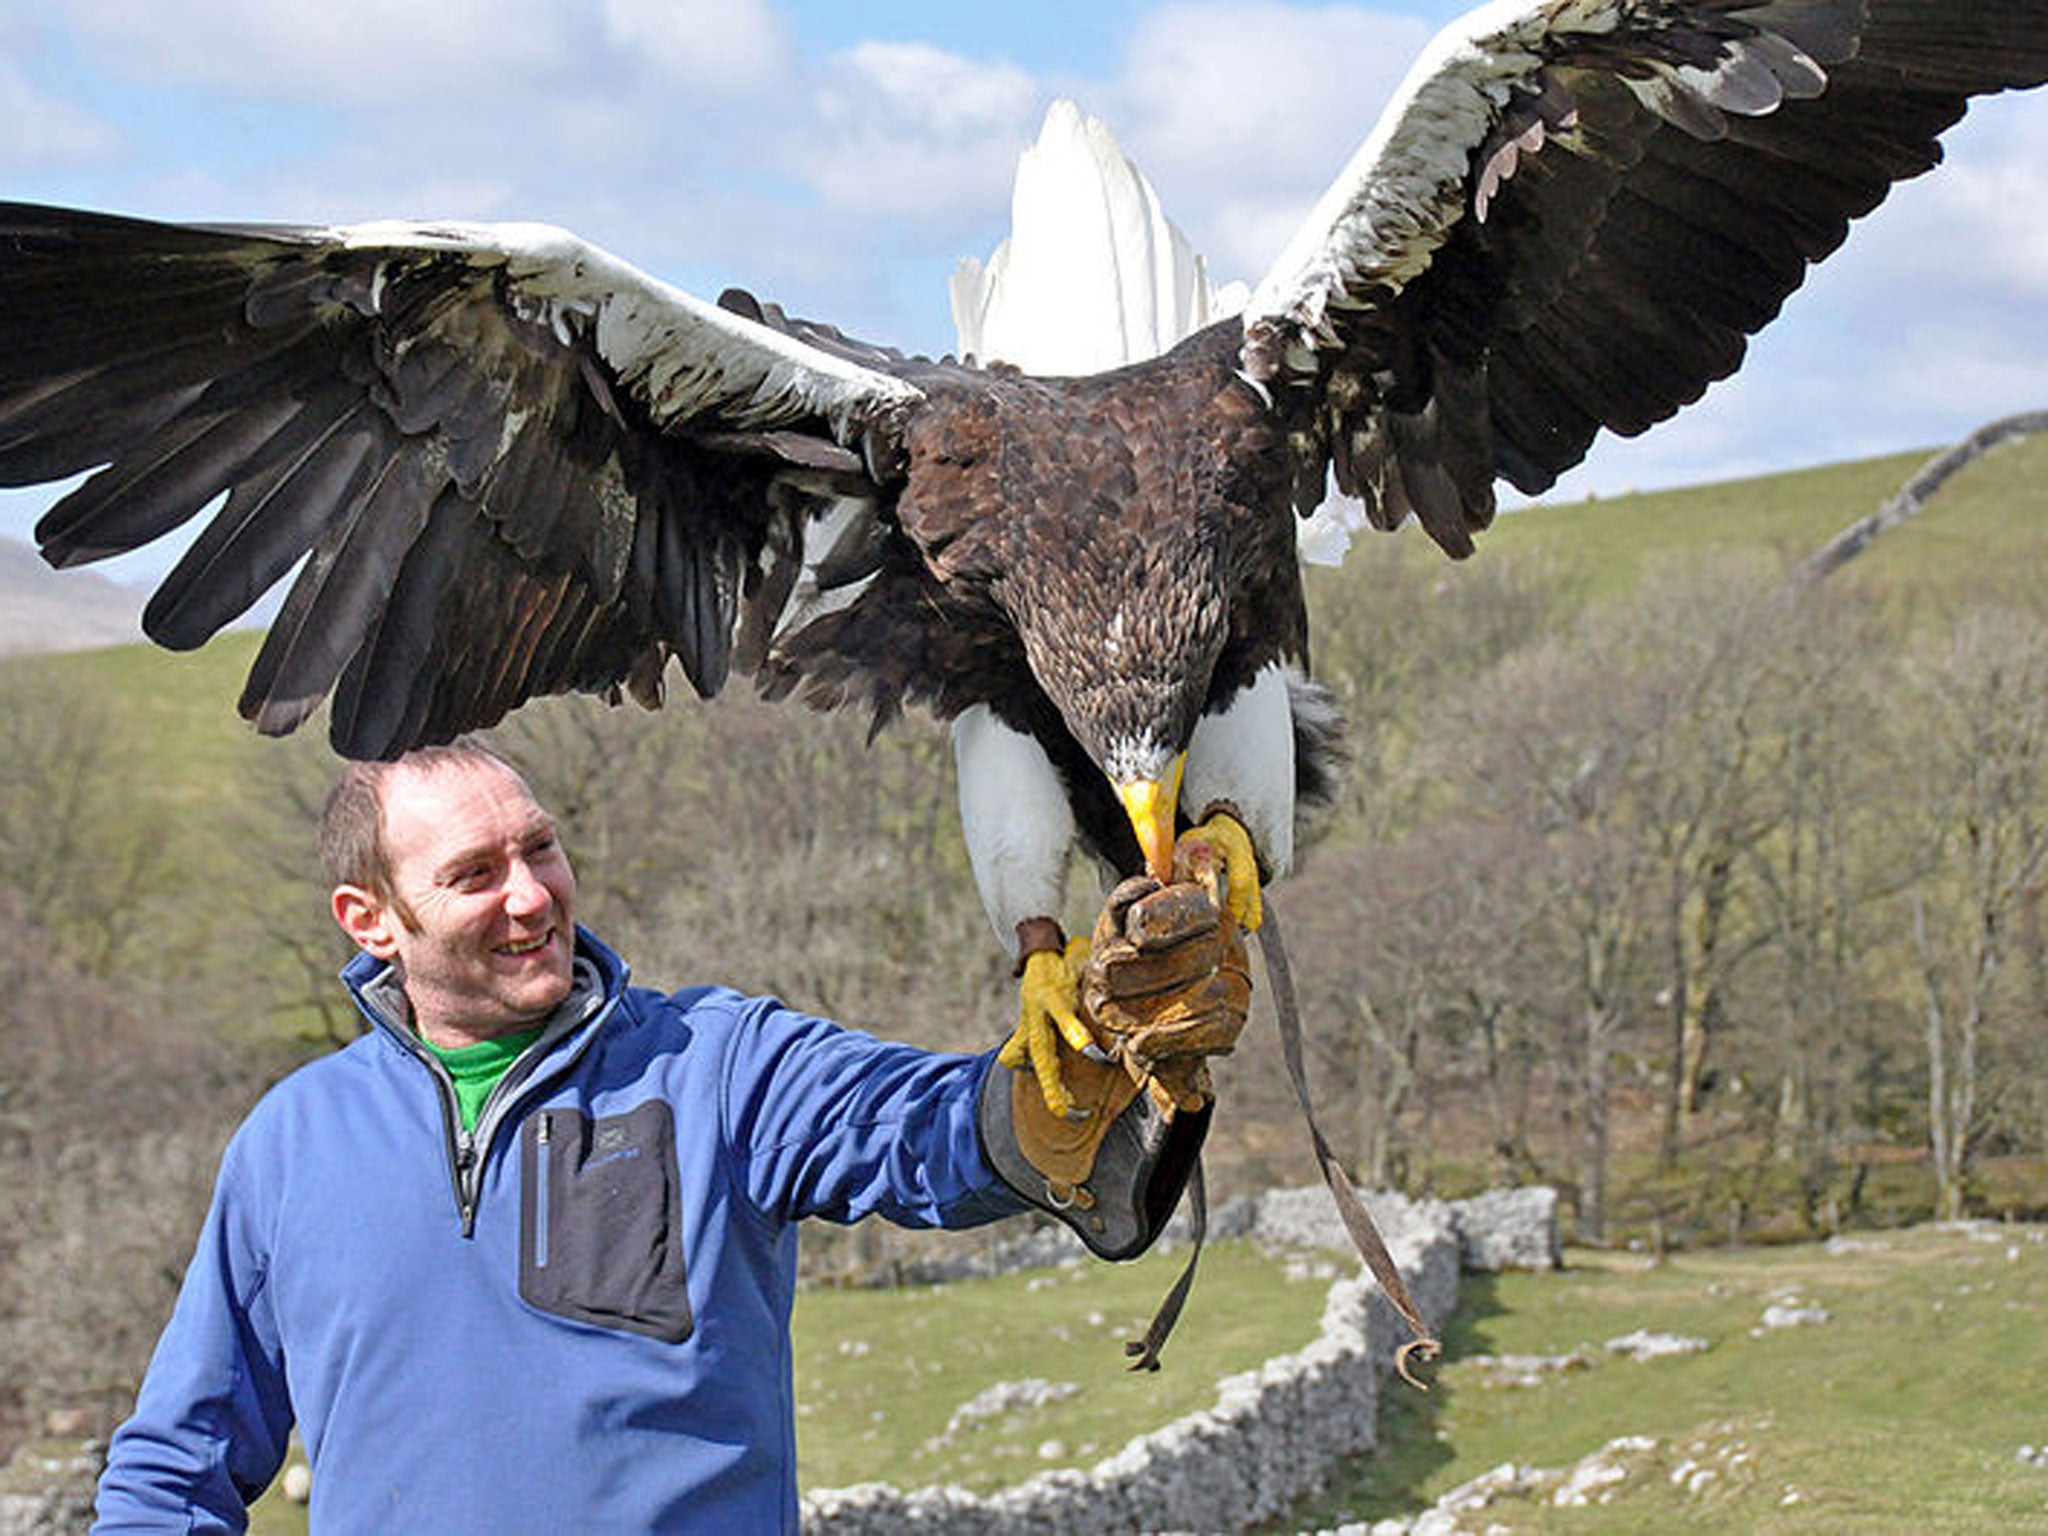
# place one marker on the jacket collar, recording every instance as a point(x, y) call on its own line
point(600, 979)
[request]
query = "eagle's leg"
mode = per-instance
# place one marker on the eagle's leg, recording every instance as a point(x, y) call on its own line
point(1048, 1008)
point(1019, 825)
point(1222, 837)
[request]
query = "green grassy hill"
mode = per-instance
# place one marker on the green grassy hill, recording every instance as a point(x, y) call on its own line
point(1984, 534)
point(180, 735)
point(1894, 1394)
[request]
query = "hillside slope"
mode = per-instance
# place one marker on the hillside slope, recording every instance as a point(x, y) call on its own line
point(42, 610)
point(1984, 536)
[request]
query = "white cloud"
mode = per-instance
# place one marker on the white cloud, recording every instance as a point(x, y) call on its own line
point(1242, 113)
point(916, 132)
point(721, 46)
point(1255, 88)
point(320, 51)
point(1985, 210)
point(935, 91)
point(43, 132)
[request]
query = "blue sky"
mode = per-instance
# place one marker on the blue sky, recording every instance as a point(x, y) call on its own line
point(839, 158)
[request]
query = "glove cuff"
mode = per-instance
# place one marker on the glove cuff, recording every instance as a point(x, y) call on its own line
point(1141, 1166)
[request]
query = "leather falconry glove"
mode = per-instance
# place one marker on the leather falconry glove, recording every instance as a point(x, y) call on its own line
point(1164, 986)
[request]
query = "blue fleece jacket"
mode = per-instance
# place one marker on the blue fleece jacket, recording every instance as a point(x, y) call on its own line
point(577, 1321)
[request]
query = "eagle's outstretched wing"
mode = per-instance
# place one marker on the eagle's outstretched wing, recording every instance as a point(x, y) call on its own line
point(505, 462)
point(1575, 213)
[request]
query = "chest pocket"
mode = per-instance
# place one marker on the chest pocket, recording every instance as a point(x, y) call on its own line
point(601, 1221)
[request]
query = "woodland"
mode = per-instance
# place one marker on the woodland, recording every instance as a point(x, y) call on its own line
point(1704, 891)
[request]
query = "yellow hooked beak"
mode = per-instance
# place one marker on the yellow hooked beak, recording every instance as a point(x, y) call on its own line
point(1150, 803)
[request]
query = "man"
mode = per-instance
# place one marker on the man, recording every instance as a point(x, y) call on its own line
point(522, 1257)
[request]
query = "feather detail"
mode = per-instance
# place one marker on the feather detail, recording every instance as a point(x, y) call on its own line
point(1575, 212)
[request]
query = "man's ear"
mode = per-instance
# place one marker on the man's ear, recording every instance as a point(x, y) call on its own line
point(366, 920)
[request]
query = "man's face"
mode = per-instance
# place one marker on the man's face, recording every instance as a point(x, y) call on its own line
point(481, 928)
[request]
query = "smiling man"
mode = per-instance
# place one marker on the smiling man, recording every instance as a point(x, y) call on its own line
point(474, 913)
point(522, 1257)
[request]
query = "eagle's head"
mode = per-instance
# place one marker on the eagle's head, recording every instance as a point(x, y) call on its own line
point(1128, 664)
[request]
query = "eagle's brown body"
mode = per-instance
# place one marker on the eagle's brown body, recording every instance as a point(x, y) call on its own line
point(1130, 533)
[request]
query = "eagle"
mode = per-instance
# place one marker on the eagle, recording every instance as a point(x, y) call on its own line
point(505, 463)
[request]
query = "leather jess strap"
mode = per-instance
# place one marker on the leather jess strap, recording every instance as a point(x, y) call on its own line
point(1358, 1222)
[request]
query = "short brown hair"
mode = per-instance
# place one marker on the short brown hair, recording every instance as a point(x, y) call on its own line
point(352, 821)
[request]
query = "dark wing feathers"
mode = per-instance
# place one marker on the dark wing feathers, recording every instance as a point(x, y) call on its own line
point(698, 575)
point(334, 601)
point(481, 505)
point(284, 491)
point(480, 629)
point(1643, 187)
point(1697, 248)
point(172, 470)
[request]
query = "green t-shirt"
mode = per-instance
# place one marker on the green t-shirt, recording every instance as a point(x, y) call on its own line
point(477, 1068)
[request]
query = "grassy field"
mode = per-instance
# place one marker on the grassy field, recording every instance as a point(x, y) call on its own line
point(1903, 1412)
point(880, 1374)
point(1997, 506)
point(180, 732)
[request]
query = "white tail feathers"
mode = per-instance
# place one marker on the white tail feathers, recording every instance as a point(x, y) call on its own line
point(1094, 275)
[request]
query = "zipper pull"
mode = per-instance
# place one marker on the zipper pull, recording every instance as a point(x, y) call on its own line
point(465, 1197)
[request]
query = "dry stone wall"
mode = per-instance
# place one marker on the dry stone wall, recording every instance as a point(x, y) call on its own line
point(1273, 1434)
point(47, 1489)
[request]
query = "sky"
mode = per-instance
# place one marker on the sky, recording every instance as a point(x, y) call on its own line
point(839, 158)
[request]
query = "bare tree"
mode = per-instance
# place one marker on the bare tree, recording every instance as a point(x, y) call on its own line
point(1413, 981)
point(276, 932)
point(748, 844)
point(95, 1224)
point(1546, 745)
point(1822, 780)
point(1398, 631)
point(72, 847)
point(1982, 696)
point(1701, 644)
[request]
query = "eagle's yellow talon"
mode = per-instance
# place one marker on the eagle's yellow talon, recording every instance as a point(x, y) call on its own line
point(1048, 1011)
point(1224, 835)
